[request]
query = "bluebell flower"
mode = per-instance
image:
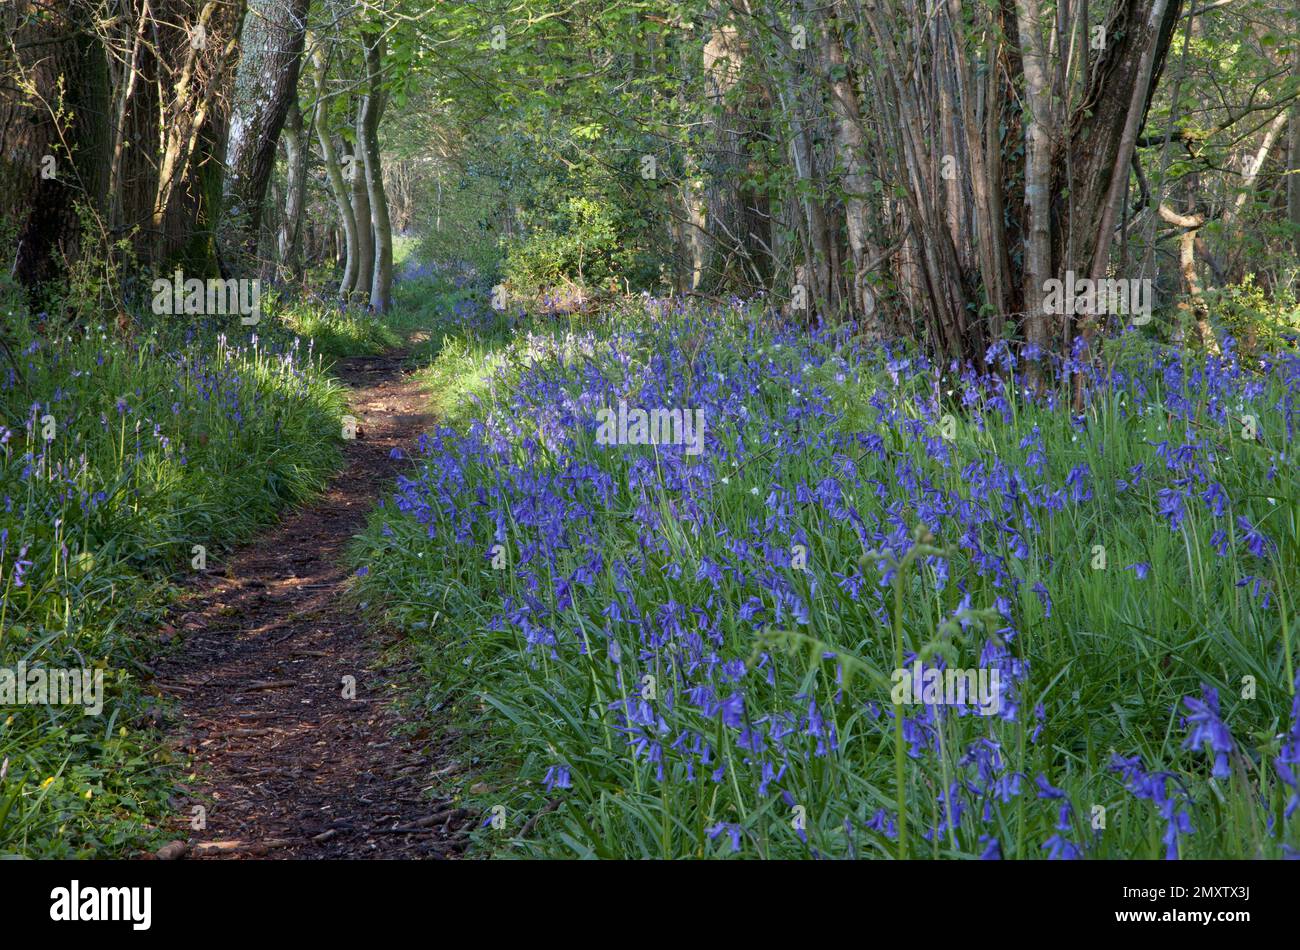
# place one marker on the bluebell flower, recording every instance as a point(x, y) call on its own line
point(1287, 761)
point(883, 822)
point(1044, 597)
point(734, 831)
point(1205, 728)
point(1255, 541)
point(557, 776)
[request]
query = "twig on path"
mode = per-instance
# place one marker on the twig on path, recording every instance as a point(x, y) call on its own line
point(529, 825)
point(234, 847)
point(419, 824)
point(271, 684)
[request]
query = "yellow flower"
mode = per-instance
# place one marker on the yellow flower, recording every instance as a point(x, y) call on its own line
point(47, 782)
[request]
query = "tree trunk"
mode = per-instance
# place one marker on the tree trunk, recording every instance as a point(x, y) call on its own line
point(270, 58)
point(192, 80)
point(1233, 224)
point(1293, 148)
point(289, 240)
point(372, 107)
point(1038, 177)
point(722, 62)
point(1195, 303)
point(339, 188)
point(850, 151)
point(364, 253)
point(55, 142)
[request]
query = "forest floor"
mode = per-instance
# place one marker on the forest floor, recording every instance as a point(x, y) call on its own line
point(285, 765)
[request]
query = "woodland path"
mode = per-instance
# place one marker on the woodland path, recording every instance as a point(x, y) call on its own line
point(286, 766)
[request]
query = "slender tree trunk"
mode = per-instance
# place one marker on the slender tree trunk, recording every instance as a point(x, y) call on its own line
point(982, 152)
point(339, 188)
point(1038, 176)
point(723, 61)
point(125, 90)
point(289, 240)
point(1293, 149)
point(1191, 223)
point(364, 253)
point(1233, 223)
point(1118, 184)
point(372, 108)
point(850, 150)
point(816, 275)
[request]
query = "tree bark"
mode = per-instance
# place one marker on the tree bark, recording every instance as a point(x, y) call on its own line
point(1038, 177)
point(372, 108)
point(192, 123)
point(55, 136)
point(270, 59)
point(1293, 149)
point(1191, 223)
point(289, 240)
point(355, 170)
point(339, 188)
point(850, 150)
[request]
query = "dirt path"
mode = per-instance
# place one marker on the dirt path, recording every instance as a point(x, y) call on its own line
point(287, 766)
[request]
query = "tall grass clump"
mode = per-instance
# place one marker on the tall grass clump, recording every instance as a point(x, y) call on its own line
point(664, 654)
point(122, 448)
point(335, 328)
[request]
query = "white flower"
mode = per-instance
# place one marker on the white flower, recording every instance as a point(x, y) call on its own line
point(754, 490)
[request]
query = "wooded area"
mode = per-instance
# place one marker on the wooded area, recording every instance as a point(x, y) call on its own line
point(921, 170)
point(649, 428)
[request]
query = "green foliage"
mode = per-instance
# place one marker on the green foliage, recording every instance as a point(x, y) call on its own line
point(334, 331)
point(539, 176)
point(1111, 649)
point(457, 222)
point(119, 452)
point(577, 244)
point(1260, 320)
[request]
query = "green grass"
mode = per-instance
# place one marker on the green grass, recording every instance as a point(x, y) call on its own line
point(404, 251)
point(120, 456)
point(1110, 660)
point(335, 332)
